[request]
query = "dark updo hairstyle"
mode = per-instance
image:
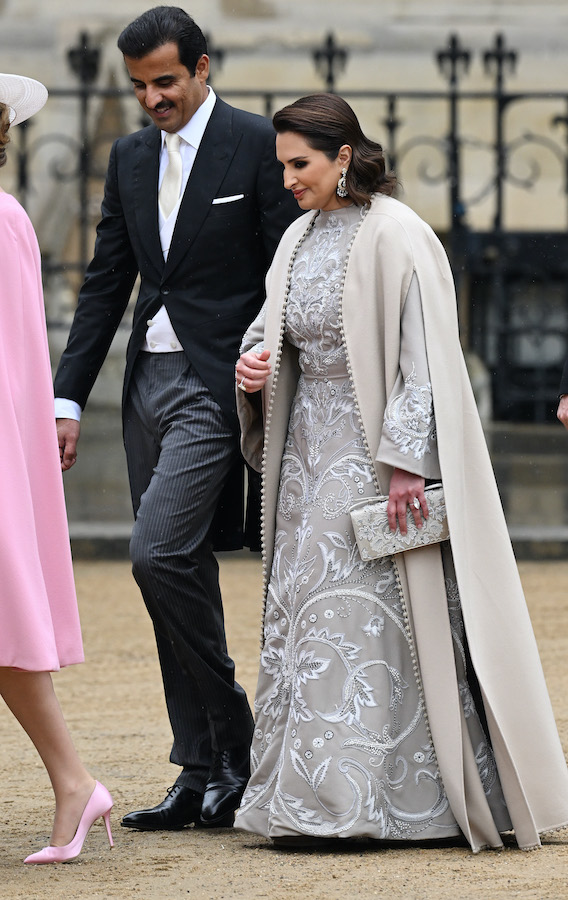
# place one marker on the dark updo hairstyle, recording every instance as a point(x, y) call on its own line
point(326, 122)
point(164, 25)
point(4, 129)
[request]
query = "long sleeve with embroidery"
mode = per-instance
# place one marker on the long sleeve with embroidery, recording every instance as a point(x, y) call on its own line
point(408, 438)
point(254, 336)
point(249, 406)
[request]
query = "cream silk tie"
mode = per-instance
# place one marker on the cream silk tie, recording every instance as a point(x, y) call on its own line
point(171, 182)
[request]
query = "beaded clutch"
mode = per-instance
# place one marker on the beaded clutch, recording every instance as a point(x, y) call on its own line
point(374, 537)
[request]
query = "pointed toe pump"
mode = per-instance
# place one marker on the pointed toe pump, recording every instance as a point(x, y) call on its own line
point(99, 804)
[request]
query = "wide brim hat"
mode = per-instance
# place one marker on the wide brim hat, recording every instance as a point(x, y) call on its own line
point(24, 96)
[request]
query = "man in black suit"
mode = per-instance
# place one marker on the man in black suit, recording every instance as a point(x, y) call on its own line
point(198, 219)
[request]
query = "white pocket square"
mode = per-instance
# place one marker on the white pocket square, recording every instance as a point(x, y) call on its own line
point(228, 199)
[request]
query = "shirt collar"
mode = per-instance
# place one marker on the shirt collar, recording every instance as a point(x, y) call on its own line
point(192, 132)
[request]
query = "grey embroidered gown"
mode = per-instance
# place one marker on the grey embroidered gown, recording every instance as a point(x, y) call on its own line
point(341, 745)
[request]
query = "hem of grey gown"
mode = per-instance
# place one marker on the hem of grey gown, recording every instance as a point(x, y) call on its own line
point(305, 841)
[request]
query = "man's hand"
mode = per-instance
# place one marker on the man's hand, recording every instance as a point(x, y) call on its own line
point(562, 411)
point(68, 431)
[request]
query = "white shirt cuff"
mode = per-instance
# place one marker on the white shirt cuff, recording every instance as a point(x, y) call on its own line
point(67, 409)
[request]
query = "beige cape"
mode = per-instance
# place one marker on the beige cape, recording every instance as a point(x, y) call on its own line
point(391, 245)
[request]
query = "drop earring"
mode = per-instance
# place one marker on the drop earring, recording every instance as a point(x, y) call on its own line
point(341, 189)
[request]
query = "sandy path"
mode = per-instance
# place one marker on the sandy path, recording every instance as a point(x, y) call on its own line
point(115, 708)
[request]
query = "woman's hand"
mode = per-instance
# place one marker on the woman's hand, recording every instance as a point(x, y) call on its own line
point(405, 489)
point(252, 370)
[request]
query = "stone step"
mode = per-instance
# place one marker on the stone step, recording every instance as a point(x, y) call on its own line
point(526, 438)
point(107, 540)
point(531, 468)
point(530, 461)
point(527, 469)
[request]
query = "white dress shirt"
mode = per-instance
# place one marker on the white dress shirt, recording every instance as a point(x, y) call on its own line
point(160, 336)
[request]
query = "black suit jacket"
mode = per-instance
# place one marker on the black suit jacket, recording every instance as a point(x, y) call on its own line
point(212, 283)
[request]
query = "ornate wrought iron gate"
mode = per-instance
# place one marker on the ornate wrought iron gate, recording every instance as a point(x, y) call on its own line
point(512, 285)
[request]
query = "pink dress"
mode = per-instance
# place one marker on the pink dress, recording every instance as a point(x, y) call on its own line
point(39, 620)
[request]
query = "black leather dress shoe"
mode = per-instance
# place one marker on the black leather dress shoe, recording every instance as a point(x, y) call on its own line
point(226, 821)
point(181, 807)
point(230, 772)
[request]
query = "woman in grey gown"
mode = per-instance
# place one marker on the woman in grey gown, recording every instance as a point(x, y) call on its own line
point(344, 745)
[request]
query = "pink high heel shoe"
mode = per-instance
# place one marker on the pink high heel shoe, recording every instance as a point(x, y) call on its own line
point(98, 804)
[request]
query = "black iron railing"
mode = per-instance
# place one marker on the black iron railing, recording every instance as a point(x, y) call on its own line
point(512, 285)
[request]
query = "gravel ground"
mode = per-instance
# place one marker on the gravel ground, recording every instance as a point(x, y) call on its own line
point(115, 709)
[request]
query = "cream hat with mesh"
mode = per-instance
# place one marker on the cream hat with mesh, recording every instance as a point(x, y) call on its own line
point(24, 96)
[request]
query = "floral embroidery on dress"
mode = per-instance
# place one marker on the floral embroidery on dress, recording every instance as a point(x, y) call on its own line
point(409, 418)
point(487, 767)
point(341, 744)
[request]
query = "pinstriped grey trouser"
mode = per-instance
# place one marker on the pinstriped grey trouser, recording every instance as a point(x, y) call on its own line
point(179, 451)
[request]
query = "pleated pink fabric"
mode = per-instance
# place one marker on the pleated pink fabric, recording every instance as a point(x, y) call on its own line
point(39, 620)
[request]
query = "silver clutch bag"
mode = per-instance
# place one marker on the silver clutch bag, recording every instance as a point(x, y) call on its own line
point(374, 537)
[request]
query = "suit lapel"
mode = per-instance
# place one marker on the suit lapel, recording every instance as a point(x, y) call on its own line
point(145, 176)
point(213, 158)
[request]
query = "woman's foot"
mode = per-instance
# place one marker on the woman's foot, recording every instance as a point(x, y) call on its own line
point(69, 807)
point(99, 804)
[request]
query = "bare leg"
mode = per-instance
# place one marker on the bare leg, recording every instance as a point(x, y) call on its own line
point(31, 698)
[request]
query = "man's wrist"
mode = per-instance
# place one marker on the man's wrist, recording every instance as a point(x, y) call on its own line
point(67, 409)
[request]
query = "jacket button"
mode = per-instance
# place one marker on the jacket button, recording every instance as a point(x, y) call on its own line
point(165, 290)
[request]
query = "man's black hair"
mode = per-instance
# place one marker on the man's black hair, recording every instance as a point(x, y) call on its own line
point(164, 25)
